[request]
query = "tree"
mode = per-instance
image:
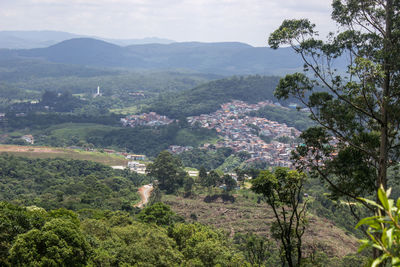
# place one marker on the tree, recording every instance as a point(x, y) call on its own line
point(230, 183)
point(160, 214)
point(357, 139)
point(59, 243)
point(257, 250)
point(212, 179)
point(282, 190)
point(188, 185)
point(132, 244)
point(202, 246)
point(168, 170)
point(240, 175)
point(15, 220)
point(202, 174)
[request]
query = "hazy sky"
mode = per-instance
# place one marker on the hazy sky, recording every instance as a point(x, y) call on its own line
point(248, 21)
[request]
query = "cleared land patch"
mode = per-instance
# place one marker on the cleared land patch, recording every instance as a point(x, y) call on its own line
point(52, 152)
point(246, 215)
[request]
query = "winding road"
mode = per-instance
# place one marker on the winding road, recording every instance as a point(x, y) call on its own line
point(145, 192)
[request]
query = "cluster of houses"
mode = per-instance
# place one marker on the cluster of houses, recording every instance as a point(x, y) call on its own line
point(179, 149)
point(145, 119)
point(245, 133)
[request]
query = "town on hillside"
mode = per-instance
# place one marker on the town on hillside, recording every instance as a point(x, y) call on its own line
point(265, 140)
point(245, 133)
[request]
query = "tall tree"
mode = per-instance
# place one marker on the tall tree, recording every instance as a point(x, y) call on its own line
point(282, 191)
point(357, 108)
point(168, 170)
point(230, 183)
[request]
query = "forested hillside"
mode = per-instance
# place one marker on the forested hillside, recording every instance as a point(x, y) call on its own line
point(150, 141)
point(100, 237)
point(218, 58)
point(292, 117)
point(208, 97)
point(71, 184)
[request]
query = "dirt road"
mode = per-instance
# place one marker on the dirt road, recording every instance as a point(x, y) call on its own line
point(145, 192)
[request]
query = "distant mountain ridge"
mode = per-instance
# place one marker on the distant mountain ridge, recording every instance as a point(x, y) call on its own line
point(227, 58)
point(41, 39)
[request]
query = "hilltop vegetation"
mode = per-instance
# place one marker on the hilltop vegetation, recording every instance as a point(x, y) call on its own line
point(291, 117)
point(219, 58)
point(150, 141)
point(72, 184)
point(97, 237)
point(208, 97)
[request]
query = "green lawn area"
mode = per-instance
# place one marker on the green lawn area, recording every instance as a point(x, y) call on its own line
point(125, 111)
point(53, 152)
point(80, 130)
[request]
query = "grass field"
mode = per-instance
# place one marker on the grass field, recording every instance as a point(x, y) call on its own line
point(125, 111)
point(80, 130)
point(245, 215)
point(51, 152)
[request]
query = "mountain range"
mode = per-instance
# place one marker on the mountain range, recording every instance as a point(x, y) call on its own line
point(228, 58)
point(40, 39)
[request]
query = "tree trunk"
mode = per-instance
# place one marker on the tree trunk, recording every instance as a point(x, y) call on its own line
point(383, 149)
point(387, 68)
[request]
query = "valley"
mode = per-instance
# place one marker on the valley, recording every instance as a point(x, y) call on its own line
point(199, 146)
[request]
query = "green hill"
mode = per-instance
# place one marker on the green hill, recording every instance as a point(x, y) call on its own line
point(208, 97)
point(291, 117)
point(225, 58)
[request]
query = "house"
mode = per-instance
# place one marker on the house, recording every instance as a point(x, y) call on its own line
point(28, 138)
point(136, 157)
point(136, 166)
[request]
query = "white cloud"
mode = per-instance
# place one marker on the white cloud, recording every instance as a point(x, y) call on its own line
point(183, 20)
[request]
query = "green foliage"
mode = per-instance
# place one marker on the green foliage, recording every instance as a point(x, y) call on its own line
point(16, 220)
point(207, 98)
point(168, 171)
point(282, 191)
point(159, 214)
point(208, 159)
point(211, 180)
point(130, 244)
point(151, 141)
point(258, 251)
point(72, 184)
point(290, 117)
point(383, 229)
point(358, 112)
point(40, 121)
point(188, 185)
point(229, 182)
point(34, 237)
point(202, 246)
point(58, 243)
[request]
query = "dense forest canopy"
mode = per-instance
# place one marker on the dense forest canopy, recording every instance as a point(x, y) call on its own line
point(292, 117)
point(72, 184)
point(208, 97)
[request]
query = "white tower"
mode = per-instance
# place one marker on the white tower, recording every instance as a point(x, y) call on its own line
point(98, 92)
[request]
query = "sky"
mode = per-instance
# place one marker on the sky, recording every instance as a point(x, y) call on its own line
point(248, 21)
